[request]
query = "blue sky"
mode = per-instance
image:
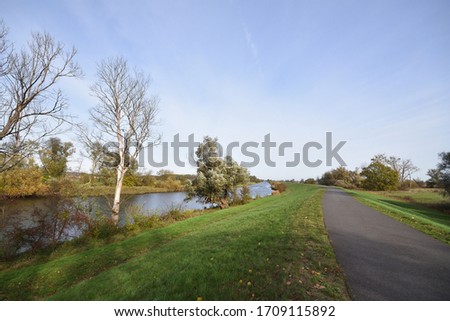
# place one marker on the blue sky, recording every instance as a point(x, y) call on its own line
point(374, 73)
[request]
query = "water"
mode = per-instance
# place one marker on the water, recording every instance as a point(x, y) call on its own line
point(147, 204)
point(157, 203)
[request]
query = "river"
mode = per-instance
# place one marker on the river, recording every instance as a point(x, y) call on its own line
point(148, 204)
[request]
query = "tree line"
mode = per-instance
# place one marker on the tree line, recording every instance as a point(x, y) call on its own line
point(386, 173)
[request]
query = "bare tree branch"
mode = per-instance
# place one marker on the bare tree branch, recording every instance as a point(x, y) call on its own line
point(4, 49)
point(31, 108)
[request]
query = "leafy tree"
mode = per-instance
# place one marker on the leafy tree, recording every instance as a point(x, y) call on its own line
point(435, 179)
point(54, 156)
point(217, 178)
point(235, 175)
point(379, 177)
point(94, 149)
point(444, 168)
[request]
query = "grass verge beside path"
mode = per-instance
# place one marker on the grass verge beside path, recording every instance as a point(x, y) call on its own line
point(420, 217)
point(274, 248)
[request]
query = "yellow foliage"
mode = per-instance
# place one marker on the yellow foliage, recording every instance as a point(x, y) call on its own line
point(22, 181)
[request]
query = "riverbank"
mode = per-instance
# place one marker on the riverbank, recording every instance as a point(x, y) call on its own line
point(87, 190)
point(100, 190)
point(274, 248)
point(126, 190)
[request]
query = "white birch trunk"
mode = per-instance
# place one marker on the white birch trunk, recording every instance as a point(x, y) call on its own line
point(121, 170)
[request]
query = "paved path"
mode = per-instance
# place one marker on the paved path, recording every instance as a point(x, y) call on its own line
point(384, 259)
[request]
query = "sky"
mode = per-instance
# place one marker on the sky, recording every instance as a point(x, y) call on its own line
point(376, 74)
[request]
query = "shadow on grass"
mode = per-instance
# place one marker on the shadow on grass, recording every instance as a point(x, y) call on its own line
point(441, 210)
point(420, 210)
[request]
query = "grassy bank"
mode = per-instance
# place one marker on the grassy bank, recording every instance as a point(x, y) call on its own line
point(428, 197)
point(101, 190)
point(421, 209)
point(274, 248)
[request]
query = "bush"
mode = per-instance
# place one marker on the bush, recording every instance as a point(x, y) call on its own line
point(241, 196)
point(244, 195)
point(100, 227)
point(278, 186)
point(379, 177)
point(341, 177)
point(23, 181)
point(59, 220)
point(64, 187)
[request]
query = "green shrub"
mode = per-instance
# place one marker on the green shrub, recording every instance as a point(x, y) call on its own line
point(379, 177)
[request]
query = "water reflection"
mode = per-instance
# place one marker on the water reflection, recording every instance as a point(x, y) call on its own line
point(147, 204)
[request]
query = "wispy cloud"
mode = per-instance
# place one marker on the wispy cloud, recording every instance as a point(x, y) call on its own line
point(250, 42)
point(249, 39)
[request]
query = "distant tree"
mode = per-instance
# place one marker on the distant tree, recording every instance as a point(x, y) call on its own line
point(93, 147)
point(125, 113)
point(435, 179)
point(254, 179)
point(54, 156)
point(31, 108)
point(217, 178)
point(165, 173)
point(148, 179)
point(419, 183)
point(341, 177)
point(310, 181)
point(107, 176)
point(379, 177)
point(404, 167)
point(444, 168)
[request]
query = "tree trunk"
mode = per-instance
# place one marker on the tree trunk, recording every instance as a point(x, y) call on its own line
point(223, 203)
point(116, 205)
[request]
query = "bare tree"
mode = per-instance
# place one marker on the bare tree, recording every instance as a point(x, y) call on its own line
point(31, 108)
point(3, 48)
point(125, 113)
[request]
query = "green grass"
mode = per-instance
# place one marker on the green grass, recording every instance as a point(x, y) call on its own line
point(420, 209)
point(429, 197)
point(274, 248)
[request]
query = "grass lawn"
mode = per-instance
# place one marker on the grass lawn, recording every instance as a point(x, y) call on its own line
point(422, 209)
point(275, 248)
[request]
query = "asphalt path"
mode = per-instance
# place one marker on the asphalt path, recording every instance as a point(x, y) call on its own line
point(384, 259)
